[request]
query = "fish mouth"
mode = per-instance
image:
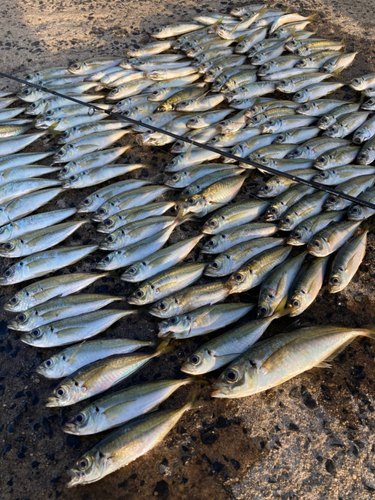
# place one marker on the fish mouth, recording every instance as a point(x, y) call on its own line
point(69, 427)
point(65, 184)
point(76, 478)
point(52, 402)
point(13, 325)
point(220, 392)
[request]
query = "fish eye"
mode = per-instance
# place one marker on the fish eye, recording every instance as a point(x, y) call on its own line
point(14, 300)
point(73, 178)
point(231, 376)
point(8, 273)
point(174, 320)
point(87, 201)
point(107, 259)
point(60, 152)
point(266, 188)
point(173, 162)
point(316, 243)
point(162, 306)
point(102, 211)
point(61, 392)
point(50, 113)
point(48, 363)
point(238, 277)
point(65, 135)
point(355, 210)
point(194, 359)
point(35, 333)
point(125, 113)
point(131, 270)
point(79, 418)
point(283, 82)
point(210, 244)
point(191, 201)
point(212, 223)
point(262, 310)
point(175, 178)
point(335, 281)
point(83, 463)
point(332, 199)
point(75, 66)
point(296, 236)
point(215, 265)
point(273, 210)
point(108, 222)
point(111, 239)
point(22, 318)
point(139, 293)
point(8, 246)
point(296, 303)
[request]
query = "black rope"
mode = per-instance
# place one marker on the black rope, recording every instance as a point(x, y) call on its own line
point(225, 154)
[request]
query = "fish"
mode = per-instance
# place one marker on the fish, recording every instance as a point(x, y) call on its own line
point(42, 263)
point(128, 199)
point(304, 208)
point(126, 444)
point(215, 196)
point(315, 91)
point(175, 30)
point(204, 320)
point(221, 350)
point(21, 159)
point(252, 90)
point(363, 82)
point(207, 118)
point(93, 65)
point(353, 187)
point(21, 187)
point(277, 285)
point(11, 145)
point(71, 330)
point(304, 348)
point(331, 238)
point(150, 49)
point(57, 286)
point(360, 212)
point(339, 175)
point(367, 153)
point(284, 123)
point(297, 135)
point(286, 200)
point(18, 173)
point(98, 175)
point(86, 129)
point(339, 62)
point(166, 283)
point(116, 409)
point(346, 124)
point(330, 118)
point(313, 148)
point(365, 132)
point(337, 157)
point(33, 222)
point(319, 107)
point(277, 65)
point(63, 124)
point(299, 82)
point(246, 232)
point(94, 201)
point(100, 376)
point(37, 241)
point(207, 181)
point(234, 215)
point(253, 272)
point(129, 89)
point(189, 299)
point(60, 308)
point(278, 183)
point(346, 262)
point(75, 357)
point(307, 286)
point(317, 59)
point(186, 177)
point(304, 232)
point(47, 73)
point(236, 256)
point(161, 260)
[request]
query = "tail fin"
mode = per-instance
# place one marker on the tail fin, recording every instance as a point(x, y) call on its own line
point(164, 347)
point(312, 17)
point(369, 331)
point(281, 310)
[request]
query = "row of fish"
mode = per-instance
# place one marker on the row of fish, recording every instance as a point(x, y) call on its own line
point(161, 88)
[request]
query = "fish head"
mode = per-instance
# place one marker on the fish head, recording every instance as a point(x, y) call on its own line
point(358, 83)
point(258, 58)
point(175, 327)
point(85, 422)
point(86, 204)
point(11, 248)
point(51, 367)
point(71, 182)
point(184, 105)
point(110, 261)
point(78, 68)
point(334, 202)
point(103, 212)
point(335, 130)
point(194, 204)
point(29, 94)
point(269, 190)
point(44, 122)
point(326, 121)
point(318, 247)
point(366, 156)
point(299, 236)
point(134, 272)
point(36, 107)
point(297, 303)
point(238, 282)
point(64, 154)
point(303, 63)
point(355, 212)
point(200, 362)
point(361, 135)
point(273, 213)
point(24, 320)
point(221, 266)
point(5, 232)
point(235, 379)
point(214, 244)
point(337, 281)
point(143, 295)
point(115, 93)
point(328, 67)
point(308, 108)
point(326, 177)
point(113, 240)
point(271, 126)
point(108, 225)
point(288, 222)
point(66, 393)
point(175, 179)
point(17, 303)
point(165, 308)
point(266, 68)
point(89, 468)
point(69, 134)
point(12, 274)
point(211, 74)
point(36, 337)
point(213, 225)
point(301, 96)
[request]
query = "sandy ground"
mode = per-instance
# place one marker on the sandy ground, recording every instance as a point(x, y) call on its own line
point(312, 438)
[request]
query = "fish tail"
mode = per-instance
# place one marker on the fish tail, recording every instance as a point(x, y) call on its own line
point(312, 17)
point(369, 331)
point(193, 403)
point(281, 310)
point(164, 347)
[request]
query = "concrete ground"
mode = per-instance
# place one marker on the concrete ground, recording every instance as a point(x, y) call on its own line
point(311, 438)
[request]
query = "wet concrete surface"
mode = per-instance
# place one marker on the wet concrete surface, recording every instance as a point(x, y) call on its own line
point(311, 438)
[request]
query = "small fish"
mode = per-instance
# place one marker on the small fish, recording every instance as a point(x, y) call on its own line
point(339, 62)
point(304, 208)
point(20, 159)
point(304, 348)
point(98, 175)
point(93, 65)
point(353, 187)
point(304, 232)
point(319, 107)
point(307, 286)
point(233, 258)
point(74, 329)
point(257, 269)
point(149, 49)
point(346, 124)
point(189, 299)
point(28, 171)
point(337, 157)
point(46, 262)
point(49, 288)
point(297, 135)
point(73, 358)
point(12, 145)
point(17, 188)
point(313, 148)
point(175, 30)
point(278, 183)
point(166, 283)
point(125, 444)
point(363, 82)
point(315, 91)
point(360, 212)
point(204, 320)
point(365, 132)
point(339, 175)
point(331, 238)
point(285, 200)
point(367, 153)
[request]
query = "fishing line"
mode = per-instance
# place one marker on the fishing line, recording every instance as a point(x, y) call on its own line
point(225, 154)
